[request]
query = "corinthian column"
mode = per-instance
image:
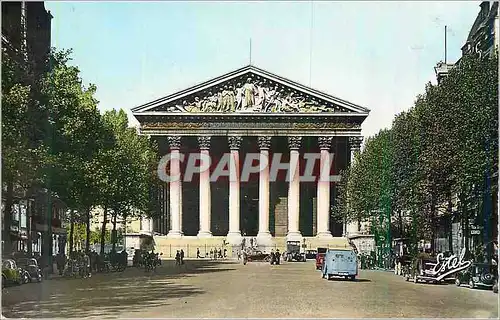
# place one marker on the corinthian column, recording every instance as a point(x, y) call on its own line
point(294, 190)
point(234, 234)
point(175, 187)
point(264, 236)
point(205, 197)
point(323, 205)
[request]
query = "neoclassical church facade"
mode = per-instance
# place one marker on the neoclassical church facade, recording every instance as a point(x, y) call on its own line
point(243, 114)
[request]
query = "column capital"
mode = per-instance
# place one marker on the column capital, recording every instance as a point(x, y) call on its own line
point(174, 142)
point(264, 142)
point(294, 142)
point(204, 142)
point(325, 142)
point(234, 142)
point(355, 143)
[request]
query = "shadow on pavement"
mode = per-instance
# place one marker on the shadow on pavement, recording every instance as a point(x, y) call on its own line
point(346, 280)
point(107, 295)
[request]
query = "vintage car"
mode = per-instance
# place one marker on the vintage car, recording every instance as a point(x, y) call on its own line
point(258, 256)
point(422, 269)
point(311, 254)
point(11, 274)
point(340, 263)
point(403, 265)
point(294, 251)
point(31, 269)
point(478, 275)
point(320, 255)
point(437, 269)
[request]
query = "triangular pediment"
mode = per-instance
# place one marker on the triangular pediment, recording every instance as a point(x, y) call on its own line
point(249, 90)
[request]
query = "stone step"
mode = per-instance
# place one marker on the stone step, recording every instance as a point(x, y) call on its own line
point(190, 245)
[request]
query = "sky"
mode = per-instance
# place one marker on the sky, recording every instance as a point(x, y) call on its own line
point(378, 55)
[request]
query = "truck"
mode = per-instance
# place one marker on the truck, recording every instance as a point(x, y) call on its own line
point(295, 252)
point(340, 263)
point(320, 256)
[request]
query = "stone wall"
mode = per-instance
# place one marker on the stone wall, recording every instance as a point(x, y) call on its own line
point(281, 217)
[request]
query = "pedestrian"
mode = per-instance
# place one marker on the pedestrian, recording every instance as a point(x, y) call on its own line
point(244, 256)
point(220, 253)
point(211, 254)
point(215, 254)
point(182, 256)
point(225, 253)
point(277, 256)
point(198, 253)
point(272, 257)
point(86, 259)
point(178, 258)
point(238, 254)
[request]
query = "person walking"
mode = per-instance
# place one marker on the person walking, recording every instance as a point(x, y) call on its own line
point(245, 257)
point(86, 261)
point(182, 256)
point(273, 257)
point(198, 253)
point(225, 253)
point(178, 258)
point(277, 256)
point(211, 254)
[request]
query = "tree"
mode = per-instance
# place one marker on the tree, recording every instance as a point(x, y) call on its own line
point(446, 144)
point(125, 172)
point(74, 135)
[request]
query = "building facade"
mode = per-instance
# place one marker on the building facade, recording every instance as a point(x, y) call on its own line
point(265, 130)
point(26, 33)
point(26, 38)
point(483, 37)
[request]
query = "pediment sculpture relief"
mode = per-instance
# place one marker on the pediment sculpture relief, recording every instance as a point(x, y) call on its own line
point(251, 95)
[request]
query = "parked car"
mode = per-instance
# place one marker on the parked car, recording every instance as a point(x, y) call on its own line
point(478, 275)
point(422, 270)
point(311, 254)
point(294, 251)
point(31, 269)
point(11, 274)
point(258, 256)
point(320, 255)
point(340, 263)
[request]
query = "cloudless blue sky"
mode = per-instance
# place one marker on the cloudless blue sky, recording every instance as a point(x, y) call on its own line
point(376, 54)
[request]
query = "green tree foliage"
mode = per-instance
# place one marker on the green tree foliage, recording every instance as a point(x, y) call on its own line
point(443, 146)
point(126, 171)
point(55, 139)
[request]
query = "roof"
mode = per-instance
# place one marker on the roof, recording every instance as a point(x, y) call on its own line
point(243, 72)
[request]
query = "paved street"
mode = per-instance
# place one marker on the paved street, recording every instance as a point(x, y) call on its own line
point(213, 289)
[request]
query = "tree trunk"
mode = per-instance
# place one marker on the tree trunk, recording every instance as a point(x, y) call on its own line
point(401, 227)
point(48, 240)
point(465, 223)
point(450, 233)
point(87, 226)
point(433, 222)
point(114, 235)
point(29, 227)
point(71, 230)
point(103, 229)
point(7, 222)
